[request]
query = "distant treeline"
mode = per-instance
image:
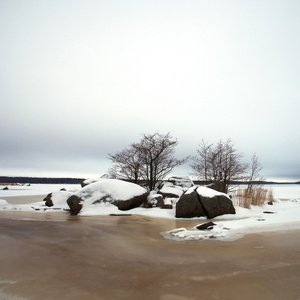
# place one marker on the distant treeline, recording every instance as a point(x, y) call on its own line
point(41, 180)
point(62, 180)
point(203, 182)
point(246, 182)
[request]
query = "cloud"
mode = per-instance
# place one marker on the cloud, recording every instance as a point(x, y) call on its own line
point(80, 81)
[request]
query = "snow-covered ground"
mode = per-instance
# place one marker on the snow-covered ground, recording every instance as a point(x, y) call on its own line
point(282, 215)
point(35, 189)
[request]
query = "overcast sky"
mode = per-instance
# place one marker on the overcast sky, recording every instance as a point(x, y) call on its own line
point(81, 79)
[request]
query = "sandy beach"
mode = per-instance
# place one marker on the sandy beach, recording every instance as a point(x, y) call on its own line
point(23, 199)
point(58, 256)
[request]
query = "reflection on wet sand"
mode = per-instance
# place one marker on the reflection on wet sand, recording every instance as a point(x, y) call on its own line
point(57, 256)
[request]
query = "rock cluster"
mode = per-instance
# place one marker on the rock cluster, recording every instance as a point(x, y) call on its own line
point(168, 192)
point(190, 201)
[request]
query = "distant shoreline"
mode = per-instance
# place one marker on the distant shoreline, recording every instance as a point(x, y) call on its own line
point(68, 180)
point(40, 180)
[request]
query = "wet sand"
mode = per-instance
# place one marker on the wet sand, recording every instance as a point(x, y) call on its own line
point(23, 199)
point(57, 256)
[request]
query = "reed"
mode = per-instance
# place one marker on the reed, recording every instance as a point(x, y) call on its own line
point(253, 195)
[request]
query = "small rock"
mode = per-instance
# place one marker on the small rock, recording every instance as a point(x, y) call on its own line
point(167, 206)
point(206, 226)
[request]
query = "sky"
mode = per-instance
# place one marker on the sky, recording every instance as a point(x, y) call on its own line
point(83, 79)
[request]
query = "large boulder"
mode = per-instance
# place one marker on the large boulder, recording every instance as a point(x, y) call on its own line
point(124, 195)
point(189, 206)
point(203, 201)
point(75, 204)
point(132, 202)
point(48, 200)
point(214, 203)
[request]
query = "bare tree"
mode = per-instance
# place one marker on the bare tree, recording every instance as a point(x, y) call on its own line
point(254, 175)
point(127, 164)
point(219, 164)
point(151, 159)
point(201, 163)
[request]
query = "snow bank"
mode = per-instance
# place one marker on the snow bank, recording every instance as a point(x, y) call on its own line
point(116, 189)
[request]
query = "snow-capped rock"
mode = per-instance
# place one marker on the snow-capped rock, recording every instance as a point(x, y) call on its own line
point(124, 195)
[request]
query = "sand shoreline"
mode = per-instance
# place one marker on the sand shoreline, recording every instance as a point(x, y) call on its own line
point(15, 200)
point(58, 256)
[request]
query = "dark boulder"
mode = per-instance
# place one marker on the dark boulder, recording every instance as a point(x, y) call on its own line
point(203, 201)
point(48, 200)
point(75, 205)
point(188, 206)
point(215, 204)
point(131, 203)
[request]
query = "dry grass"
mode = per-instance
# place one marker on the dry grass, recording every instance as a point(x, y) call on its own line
point(253, 195)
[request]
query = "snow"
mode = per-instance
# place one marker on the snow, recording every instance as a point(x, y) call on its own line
point(204, 191)
point(191, 189)
point(91, 180)
point(153, 196)
point(169, 188)
point(36, 189)
point(207, 192)
point(183, 181)
point(3, 202)
point(59, 199)
point(282, 215)
point(99, 209)
point(116, 189)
